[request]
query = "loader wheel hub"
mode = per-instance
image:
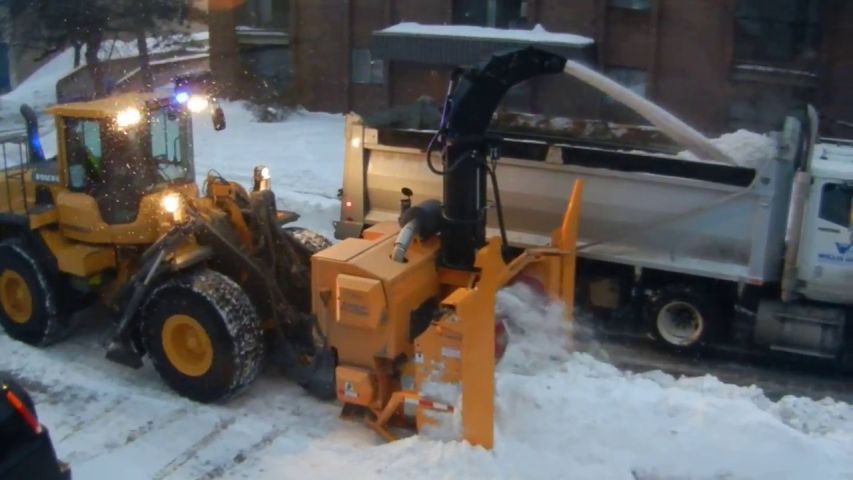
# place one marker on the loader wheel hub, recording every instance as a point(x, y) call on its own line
point(16, 297)
point(187, 345)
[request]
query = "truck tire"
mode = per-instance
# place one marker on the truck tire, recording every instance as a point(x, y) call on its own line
point(682, 317)
point(310, 239)
point(203, 336)
point(29, 305)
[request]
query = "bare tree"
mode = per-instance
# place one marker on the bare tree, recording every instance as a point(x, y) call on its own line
point(57, 24)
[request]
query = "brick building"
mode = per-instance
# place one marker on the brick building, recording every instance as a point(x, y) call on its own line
point(719, 64)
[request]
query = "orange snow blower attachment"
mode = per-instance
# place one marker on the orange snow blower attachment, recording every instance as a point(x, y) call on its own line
point(409, 308)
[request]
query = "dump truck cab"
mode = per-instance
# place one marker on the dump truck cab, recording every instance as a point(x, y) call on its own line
point(825, 263)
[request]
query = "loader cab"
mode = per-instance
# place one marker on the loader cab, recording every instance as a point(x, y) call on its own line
point(826, 251)
point(117, 153)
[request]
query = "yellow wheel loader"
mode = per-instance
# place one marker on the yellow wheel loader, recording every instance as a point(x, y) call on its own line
point(203, 283)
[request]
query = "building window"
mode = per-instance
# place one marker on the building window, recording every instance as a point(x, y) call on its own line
point(83, 147)
point(491, 13)
point(778, 31)
point(270, 14)
point(763, 107)
point(634, 79)
point(366, 70)
point(631, 4)
point(270, 67)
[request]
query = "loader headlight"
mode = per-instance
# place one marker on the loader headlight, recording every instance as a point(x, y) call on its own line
point(261, 179)
point(197, 103)
point(171, 203)
point(128, 117)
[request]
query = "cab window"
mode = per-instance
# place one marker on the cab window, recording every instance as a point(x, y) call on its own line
point(835, 204)
point(167, 147)
point(84, 152)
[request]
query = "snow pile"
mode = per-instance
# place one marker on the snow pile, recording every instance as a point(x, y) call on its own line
point(577, 417)
point(537, 35)
point(113, 49)
point(538, 330)
point(571, 416)
point(39, 89)
point(747, 149)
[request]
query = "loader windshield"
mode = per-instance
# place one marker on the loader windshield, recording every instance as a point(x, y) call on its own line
point(145, 157)
point(120, 165)
point(168, 146)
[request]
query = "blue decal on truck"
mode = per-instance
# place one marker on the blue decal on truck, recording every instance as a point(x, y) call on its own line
point(844, 254)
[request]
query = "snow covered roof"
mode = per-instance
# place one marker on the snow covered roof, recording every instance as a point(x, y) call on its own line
point(467, 45)
point(537, 35)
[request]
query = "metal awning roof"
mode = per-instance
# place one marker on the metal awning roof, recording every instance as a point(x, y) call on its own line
point(442, 47)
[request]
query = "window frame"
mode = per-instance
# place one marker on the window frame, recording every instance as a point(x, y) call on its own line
point(633, 5)
point(766, 30)
point(495, 14)
point(67, 125)
point(364, 69)
point(613, 72)
point(825, 213)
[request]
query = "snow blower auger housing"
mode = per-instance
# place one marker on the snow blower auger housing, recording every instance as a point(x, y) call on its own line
point(408, 308)
point(203, 283)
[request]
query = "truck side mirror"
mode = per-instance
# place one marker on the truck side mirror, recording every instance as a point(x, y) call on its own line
point(218, 117)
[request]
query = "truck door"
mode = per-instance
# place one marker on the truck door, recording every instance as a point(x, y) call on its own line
point(827, 253)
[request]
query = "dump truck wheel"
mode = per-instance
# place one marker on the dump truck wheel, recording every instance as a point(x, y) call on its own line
point(682, 318)
point(203, 336)
point(29, 310)
point(310, 239)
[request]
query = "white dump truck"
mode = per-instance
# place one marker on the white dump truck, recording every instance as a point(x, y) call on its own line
point(753, 253)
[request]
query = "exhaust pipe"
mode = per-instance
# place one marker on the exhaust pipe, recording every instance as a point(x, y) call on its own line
point(36, 154)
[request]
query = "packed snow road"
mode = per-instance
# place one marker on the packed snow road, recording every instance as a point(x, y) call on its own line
point(558, 415)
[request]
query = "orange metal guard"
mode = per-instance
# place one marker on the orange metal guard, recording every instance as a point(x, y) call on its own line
point(476, 310)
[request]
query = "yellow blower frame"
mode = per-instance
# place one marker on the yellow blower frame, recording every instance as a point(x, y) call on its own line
point(456, 348)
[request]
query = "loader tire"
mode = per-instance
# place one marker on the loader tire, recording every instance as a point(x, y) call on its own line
point(29, 304)
point(682, 318)
point(203, 335)
point(310, 239)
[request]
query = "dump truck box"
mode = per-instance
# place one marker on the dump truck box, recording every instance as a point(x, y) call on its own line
point(643, 205)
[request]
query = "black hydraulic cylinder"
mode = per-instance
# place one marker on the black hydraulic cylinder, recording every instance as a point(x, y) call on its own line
point(464, 202)
point(471, 105)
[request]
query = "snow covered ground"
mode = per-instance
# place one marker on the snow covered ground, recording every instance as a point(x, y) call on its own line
point(559, 414)
point(305, 156)
point(39, 90)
